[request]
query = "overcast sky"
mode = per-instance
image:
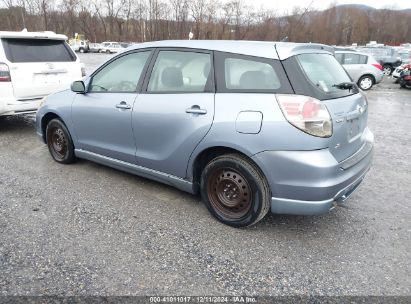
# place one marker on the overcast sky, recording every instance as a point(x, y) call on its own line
point(287, 5)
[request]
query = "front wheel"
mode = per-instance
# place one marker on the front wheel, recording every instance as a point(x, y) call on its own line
point(365, 82)
point(235, 191)
point(59, 142)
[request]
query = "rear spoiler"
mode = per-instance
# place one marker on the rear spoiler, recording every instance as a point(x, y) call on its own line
point(286, 50)
point(33, 35)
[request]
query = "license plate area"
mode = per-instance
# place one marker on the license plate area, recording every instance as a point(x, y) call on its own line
point(353, 129)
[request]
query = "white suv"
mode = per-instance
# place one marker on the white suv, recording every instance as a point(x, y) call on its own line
point(33, 65)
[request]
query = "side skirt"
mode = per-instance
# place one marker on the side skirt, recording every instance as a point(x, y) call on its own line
point(162, 177)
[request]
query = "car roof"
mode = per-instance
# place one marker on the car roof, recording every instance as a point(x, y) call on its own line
point(33, 35)
point(263, 49)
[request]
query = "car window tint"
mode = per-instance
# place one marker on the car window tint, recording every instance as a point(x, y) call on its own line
point(323, 71)
point(244, 74)
point(339, 57)
point(121, 75)
point(178, 71)
point(351, 58)
point(363, 59)
point(37, 50)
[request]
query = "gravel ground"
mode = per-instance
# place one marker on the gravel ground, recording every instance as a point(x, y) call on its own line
point(86, 229)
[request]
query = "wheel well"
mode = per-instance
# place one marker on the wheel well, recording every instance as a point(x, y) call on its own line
point(205, 157)
point(44, 122)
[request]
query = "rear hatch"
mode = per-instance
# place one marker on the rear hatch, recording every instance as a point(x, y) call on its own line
point(320, 76)
point(39, 67)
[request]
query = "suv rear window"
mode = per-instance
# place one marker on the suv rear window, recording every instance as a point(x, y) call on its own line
point(324, 72)
point(37, 50)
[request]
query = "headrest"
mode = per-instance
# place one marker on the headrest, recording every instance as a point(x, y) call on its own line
point(172, 77)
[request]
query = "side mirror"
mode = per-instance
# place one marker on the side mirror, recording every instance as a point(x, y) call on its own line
point(78, 87)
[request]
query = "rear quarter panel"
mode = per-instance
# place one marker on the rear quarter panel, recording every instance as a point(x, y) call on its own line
point(275, 134)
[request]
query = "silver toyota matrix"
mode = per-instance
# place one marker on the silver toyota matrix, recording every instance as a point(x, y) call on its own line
point(252, 126)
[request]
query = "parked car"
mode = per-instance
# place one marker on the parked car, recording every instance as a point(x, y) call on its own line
point(362, 68)
point(33, 65)
point(95, 47)
point(111, 47)
point(405, 77)
point(406, 59)
point(80, 46)
point(387, 56)
point(249, 125)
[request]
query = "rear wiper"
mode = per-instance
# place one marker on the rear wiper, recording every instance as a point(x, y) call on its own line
point(344, 85)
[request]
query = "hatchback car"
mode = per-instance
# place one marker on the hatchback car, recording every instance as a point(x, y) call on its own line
point(252, 126)
point(387, 56)
point(362, 68)
point(33, 65)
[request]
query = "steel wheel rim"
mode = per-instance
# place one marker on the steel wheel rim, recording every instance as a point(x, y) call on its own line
point(366, 83)
point(229, 193)
point(58, 142)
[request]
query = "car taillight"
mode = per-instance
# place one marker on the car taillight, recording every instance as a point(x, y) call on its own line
point(378, 66)
point(4, 73)
point(307, 114)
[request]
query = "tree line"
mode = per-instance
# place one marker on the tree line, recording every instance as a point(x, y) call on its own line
point(147, 20)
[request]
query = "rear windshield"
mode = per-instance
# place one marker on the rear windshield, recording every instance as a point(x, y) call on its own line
point(37, 50)
point(324, 72)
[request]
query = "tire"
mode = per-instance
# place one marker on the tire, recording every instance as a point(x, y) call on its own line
point(366, 82)
point(108, 52)
point(81, 50)
point(59, 142)
point(388, 69)
point(235, 190)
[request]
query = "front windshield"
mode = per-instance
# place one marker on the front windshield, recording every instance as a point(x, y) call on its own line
point(324, 71)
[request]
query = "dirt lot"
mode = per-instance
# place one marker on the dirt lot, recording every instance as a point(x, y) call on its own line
point(85, 229)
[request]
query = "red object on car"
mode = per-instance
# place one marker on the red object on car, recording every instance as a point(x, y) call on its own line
point(378, 66)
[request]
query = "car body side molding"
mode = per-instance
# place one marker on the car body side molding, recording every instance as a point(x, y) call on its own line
point(162, 177)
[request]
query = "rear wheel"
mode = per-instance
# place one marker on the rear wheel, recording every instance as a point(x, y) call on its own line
point(388, 69)
point(59, 142)
point(81, 50)
point(235, 191)
point(366, 82)
point(108, 52)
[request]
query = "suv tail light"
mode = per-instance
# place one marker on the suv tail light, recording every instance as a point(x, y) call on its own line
point(378, 66)
point(307, 114)
point(4, 73)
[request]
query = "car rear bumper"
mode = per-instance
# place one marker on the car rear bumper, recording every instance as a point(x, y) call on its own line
point(13, 107)
point(313, 182)
point(379, 77)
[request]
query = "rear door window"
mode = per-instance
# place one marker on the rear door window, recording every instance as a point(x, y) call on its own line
point(37, 50)
point(339, 57)
point(351, 58)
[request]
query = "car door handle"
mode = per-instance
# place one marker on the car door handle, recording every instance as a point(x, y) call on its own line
point(123, 105)
point(196, 110)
